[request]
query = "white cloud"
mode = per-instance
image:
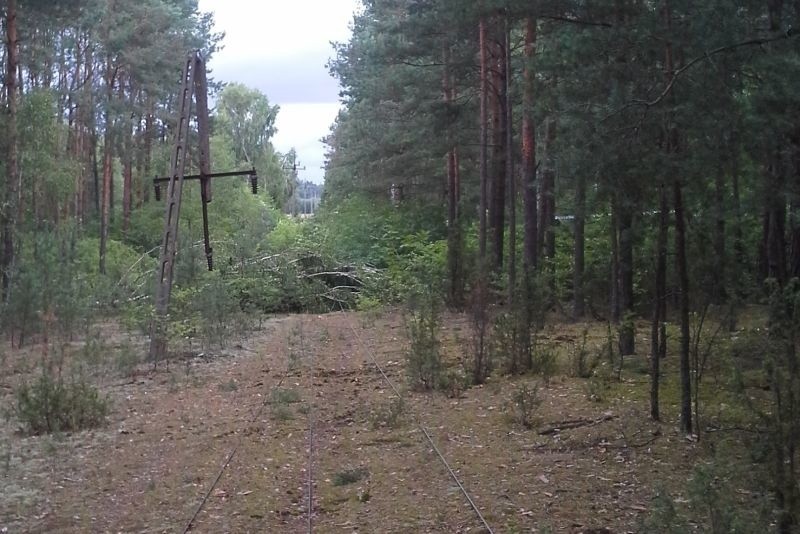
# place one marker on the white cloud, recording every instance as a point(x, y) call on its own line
point(301, 126)
point(281, 47)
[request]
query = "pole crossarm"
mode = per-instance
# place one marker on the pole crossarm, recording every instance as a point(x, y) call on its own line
point(251, 172)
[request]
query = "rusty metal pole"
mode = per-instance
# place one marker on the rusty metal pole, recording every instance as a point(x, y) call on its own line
point(166, 262)
point(201, 97)
point(194, 84)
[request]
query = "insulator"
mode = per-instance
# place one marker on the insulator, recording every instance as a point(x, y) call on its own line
point(254, 183)
point(158, 192)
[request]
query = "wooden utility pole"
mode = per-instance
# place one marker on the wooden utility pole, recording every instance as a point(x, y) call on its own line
point(193, 84)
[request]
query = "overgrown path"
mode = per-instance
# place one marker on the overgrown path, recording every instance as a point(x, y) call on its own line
point(371, 469)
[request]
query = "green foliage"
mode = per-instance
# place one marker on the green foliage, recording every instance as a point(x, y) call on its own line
point(349, 476)
point(53, 291)
point(508, 346)
point(284, 396)
point(417, 265)
point(581, 363)
point(522, 406)
point(599, 384)
point(544, 361)
point(127, 358)
point(722, 498)
point(424, 368)
point(52, 404)
point(280, 401)
point(287, 235)
point(390, 414)
point(663, 517)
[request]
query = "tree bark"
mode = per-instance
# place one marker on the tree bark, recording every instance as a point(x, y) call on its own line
point(578, 298)
point(776, 220)
point(483, 142)
point(497, 207)
point(8, 214)
point(454, 241)
point(531, 248)
point(105, 204)
point(683, 277)
point(719, 292)
point(547, 200)
point(614, 267)
point(127, 169)
point(627, 332)
point(509, 171)
point(658, 328)
point(738, 238)
point(148, 148)
point(672, 146)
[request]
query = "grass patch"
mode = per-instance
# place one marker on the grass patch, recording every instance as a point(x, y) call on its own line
point(350, 476)
point(285, 396)
point(228, 386)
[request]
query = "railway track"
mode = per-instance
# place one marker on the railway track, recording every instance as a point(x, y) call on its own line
point(326, 423)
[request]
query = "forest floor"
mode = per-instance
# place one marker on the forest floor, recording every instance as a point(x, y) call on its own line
point(372, 470)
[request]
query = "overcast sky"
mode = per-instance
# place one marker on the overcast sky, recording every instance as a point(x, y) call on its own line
point(281, 47)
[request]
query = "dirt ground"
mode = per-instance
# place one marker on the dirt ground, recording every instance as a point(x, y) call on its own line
point(371, 469)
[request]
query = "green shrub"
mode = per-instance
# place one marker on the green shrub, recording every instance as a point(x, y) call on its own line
point(388, 414)
point(581, 363)
point(423, 359)
point(126, 360)
point(283, 396)
point(49, 404)
point(417, 265)
point(508, 346)
point(521, 408)
point(349, 476)
point(544, 361)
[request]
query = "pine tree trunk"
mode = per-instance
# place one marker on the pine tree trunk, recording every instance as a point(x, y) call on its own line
point(718, 291)
point(627, 332)
point(683, 277)
point(530, 253)
point(105, 204)
point(547, 200)
point(126, 146)
point(794, 214)
point(497, 212)
point(776, 220)
point(738, 238)
point(148, 148)
point(509, 171)
point(484, 153)
point(12, 164)
point(658, 325)
point(614, 267)
point(578, 298)
point(454, 241)
point(529, 194)
point(127, 182)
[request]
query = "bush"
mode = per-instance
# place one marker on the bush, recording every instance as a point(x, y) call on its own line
point(544, 362)
point(50, 404)
point(349, 476)
point(581, 363)
point(521, 408)
point(388, 414)
point(423, 360)
point(508, 345)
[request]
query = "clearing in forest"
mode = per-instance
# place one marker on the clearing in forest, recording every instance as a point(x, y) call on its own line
point(585, 462)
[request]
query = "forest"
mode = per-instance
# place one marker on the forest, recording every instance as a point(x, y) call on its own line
point(568, 230)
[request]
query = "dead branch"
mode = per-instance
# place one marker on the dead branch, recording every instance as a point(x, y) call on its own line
point(553, 428)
